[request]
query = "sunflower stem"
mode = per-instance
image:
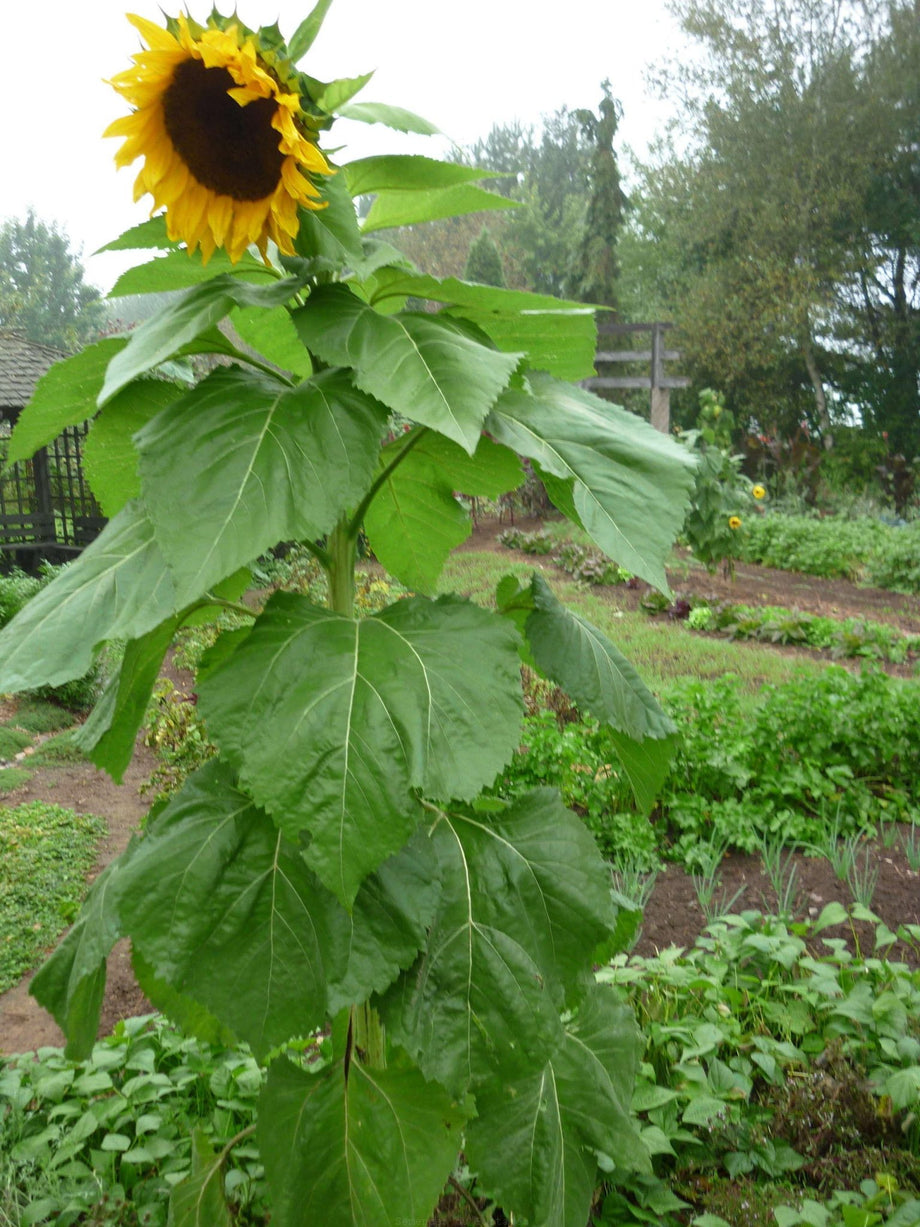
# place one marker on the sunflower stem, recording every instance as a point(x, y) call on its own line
point(342, 551)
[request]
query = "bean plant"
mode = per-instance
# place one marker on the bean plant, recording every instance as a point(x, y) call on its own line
point(334, 867)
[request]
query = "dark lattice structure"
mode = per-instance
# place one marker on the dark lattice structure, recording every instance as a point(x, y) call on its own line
point(46, 508)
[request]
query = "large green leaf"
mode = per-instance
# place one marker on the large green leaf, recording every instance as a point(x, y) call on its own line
point(64, 396)
point(259, 462)
point(109, 454)
point(333, 723)
point(629, 483)
point(525, 901)
point(118, 588)
point(534, 1143)
point(224, 909)
point(185, 318)
point(71, 984)
point(407, 173)
point(415, 520)
point(355, 1147)
point(425, 367)
point(557, 336)
point(151, 233)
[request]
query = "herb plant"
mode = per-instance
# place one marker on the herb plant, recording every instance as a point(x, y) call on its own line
point(335, 867)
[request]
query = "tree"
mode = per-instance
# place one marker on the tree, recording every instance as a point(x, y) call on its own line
point(484, 263)
point(880, 326)
point(596, 269)
point(42, 291)
point(763, 206)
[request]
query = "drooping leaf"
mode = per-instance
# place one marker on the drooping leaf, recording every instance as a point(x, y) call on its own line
point(355, 1146)
point(646, 763)
point(185, 318)
point(118, 588)
point(333, 723)
point(109, 734)
point(397, 118)
point(583, 661)
point(525, 900)
point(386, 927)
point(534, 1142)
point(71, 984)
point(425, 367)
point(187, 1014)
point(224, 910)
point(64, 396)
point(629, 483)
point(198, 1200)
point(557, 336)
point(260, 462)
point(109, 455)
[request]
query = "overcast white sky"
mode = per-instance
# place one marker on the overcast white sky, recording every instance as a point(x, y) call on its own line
point(463, 65)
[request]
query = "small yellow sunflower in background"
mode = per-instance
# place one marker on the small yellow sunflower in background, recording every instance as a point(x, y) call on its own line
point(759, 492)
point(734, 522)
point(226, 147)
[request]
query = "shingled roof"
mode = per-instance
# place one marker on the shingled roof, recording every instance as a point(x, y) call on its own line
point(22, 364)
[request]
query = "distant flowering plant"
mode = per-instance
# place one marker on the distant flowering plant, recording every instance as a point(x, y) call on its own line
point(758, 492)
point(734, 523)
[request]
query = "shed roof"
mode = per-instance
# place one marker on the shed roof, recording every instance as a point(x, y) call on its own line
point(22, 364)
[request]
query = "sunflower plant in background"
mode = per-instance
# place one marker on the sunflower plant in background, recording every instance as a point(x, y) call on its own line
point(721, 494)
point(340, 867)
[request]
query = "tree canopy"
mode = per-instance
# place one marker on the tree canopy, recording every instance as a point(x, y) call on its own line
point(42, 287)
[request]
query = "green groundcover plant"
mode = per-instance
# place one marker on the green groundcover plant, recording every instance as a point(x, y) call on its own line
point(335, 868)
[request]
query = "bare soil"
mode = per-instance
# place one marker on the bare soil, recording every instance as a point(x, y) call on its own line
point(673, 916)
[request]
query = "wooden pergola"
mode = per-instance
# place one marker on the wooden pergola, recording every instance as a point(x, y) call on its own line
point(46, 508)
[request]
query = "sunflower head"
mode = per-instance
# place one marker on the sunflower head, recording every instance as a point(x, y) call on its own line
point(228, 149)
point(734, 522)
point(759, 492)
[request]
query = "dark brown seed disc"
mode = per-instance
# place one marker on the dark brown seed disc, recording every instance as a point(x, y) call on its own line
point(230, 149)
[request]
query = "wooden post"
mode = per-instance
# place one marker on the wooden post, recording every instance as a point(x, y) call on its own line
point(660, 414)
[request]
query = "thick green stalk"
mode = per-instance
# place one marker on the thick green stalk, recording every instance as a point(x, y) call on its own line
point(341, 551)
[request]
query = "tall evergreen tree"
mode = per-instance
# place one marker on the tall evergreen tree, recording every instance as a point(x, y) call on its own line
point(596, 269)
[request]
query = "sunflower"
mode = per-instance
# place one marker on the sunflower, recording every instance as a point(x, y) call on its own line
point(734, 522)
point(227, 148)
point(759, 492)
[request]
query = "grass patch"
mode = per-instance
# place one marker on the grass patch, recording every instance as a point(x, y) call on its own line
point(45, 853)
point(12, 778)
point(39, 716)
point(12, 740)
